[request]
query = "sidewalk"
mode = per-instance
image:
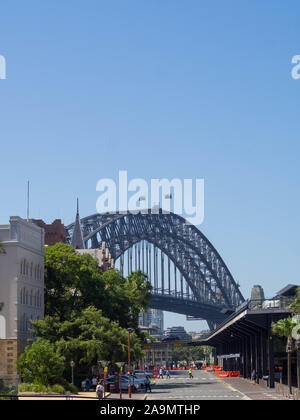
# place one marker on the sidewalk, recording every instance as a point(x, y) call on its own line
point(140, 396)
point(251, 391)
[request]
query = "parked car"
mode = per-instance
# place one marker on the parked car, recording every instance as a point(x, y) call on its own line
point(137, 380)
point(135, 386)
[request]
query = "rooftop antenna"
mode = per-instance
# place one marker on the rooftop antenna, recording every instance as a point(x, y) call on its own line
point(27, 201)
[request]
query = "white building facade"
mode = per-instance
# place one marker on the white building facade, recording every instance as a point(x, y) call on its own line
point(21, 289)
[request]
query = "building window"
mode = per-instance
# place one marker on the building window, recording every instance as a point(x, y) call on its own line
point(26, 268)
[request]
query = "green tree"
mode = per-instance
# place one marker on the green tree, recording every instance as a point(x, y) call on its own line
point(125, 298)
point(188, 353)
point(284, 328)
point(74, 282)
point(41, 363)
point(88, 338)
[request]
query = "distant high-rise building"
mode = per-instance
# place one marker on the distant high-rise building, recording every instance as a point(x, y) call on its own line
point(152, 316)
point(176, 332)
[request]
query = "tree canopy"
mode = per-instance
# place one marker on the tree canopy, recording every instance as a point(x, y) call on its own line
point(190, 354)
point(87, 313)
point(74, 281)
point(284, 327)
point(88, 338)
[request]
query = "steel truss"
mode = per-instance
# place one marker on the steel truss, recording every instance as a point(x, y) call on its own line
point(205, 289)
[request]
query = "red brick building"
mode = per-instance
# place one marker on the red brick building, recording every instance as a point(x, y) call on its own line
point(54, 233)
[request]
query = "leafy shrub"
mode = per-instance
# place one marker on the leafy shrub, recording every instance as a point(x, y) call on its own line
point(58, 389)
point(35, 387)
point(68, 387)
point(41, 363)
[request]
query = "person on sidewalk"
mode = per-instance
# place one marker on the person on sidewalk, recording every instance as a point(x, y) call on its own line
point(190, 373)
point(147, 384)
point(161, 373)
point(168, 374)
point(253, 376)
point(94, 382)
point(87, 385)
point(100, 390)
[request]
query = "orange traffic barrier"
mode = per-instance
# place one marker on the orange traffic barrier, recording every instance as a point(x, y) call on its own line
point(223, 374)
point(235, 373)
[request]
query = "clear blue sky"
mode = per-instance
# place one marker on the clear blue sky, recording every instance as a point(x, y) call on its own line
point(170, 88)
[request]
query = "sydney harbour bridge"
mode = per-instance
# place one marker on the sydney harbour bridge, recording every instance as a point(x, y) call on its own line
point(187, 274)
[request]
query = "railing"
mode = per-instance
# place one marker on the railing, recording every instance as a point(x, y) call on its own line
point(280, 302)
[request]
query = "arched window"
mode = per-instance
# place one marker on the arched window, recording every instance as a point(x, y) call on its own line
point(31, 296)
point(23, 323)
point(23, 296)
point(26, 297)
point(26, 268)
point(31, 270)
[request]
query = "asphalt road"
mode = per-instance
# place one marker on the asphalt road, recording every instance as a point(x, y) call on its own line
point(204, 386)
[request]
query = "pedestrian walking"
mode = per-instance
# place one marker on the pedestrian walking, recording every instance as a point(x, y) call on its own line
point(87, 385)
point(148, 384)
point(161, 373)
point(190, 373)
point(94, 382)
point(83, 385)
point(253, 376)
point(99, 390)
point(168, 374)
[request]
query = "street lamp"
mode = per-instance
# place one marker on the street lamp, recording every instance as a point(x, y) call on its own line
point(104, 364)
point(120, 366)
point(130, 330)
point(72, 364)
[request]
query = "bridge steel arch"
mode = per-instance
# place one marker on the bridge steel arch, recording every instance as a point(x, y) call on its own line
point(214, 292)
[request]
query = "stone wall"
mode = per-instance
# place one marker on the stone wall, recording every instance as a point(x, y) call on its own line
point(9, 352)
